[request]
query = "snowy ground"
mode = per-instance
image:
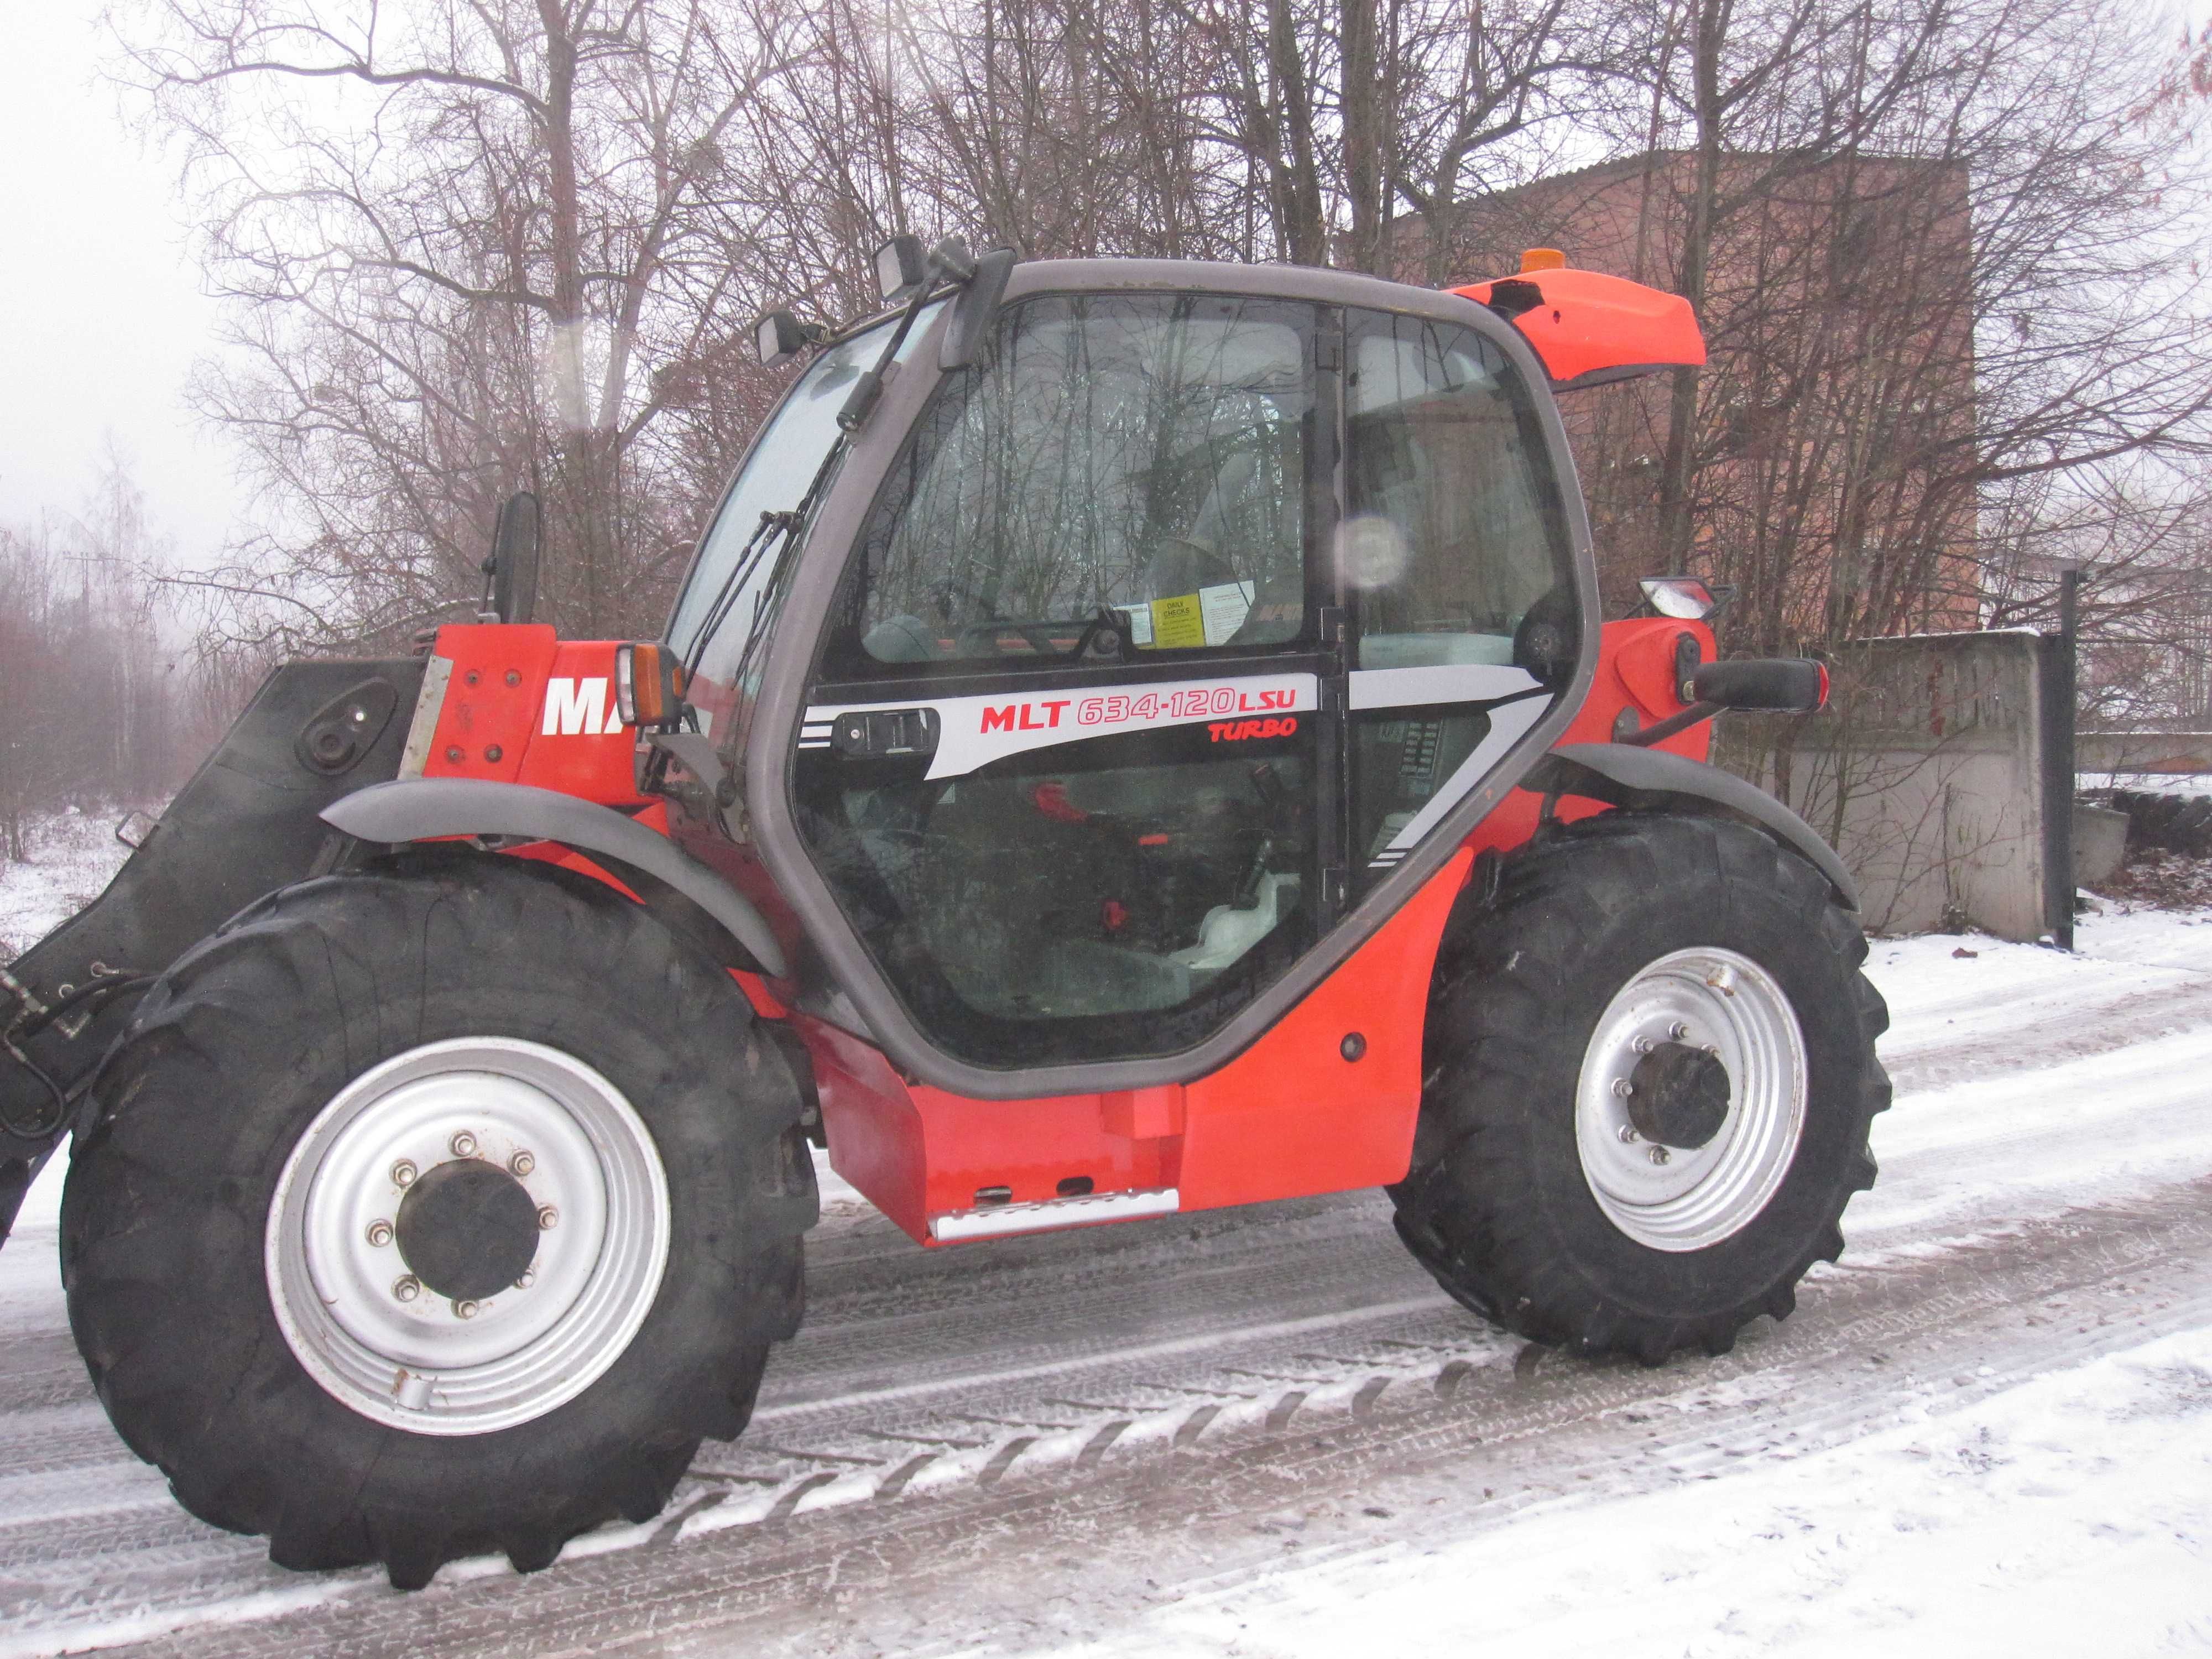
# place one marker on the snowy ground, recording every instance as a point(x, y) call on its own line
point(2148, 783)
point(72, 855)
point(1266, 1433)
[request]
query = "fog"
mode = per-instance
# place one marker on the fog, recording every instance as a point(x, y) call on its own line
point(101, 314)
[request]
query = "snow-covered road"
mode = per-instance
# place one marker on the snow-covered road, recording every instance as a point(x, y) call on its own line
point(1267, 1432)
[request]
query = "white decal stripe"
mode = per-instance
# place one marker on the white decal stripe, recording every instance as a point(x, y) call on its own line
point(1412, 688)
point(973, 732)
point(1507, 727)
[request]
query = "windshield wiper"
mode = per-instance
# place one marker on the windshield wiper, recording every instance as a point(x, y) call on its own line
point(949, 264)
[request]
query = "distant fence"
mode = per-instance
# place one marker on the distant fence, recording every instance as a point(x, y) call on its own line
point(2144, 752)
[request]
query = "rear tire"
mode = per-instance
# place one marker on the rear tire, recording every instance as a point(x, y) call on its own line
point(239, 1319)
point(1551, 1192)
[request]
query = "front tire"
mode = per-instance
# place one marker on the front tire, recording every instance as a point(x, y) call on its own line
point(1650, 1071)
point(433, 1211)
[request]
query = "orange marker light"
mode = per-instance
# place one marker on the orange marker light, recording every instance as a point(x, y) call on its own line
point(649, 686)
point(1542, 258)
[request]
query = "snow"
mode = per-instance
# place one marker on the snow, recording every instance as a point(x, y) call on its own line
point(2060, 1512)
point(2072, 1513)
point(2148, 783)
point(72, 856)
point(2069, 1514)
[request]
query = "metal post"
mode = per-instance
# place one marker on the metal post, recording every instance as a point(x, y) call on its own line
point(2057, 752)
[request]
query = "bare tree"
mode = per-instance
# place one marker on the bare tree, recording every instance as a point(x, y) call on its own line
point(468, 250)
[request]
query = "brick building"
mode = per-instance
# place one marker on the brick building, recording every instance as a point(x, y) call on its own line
point(1829, 468)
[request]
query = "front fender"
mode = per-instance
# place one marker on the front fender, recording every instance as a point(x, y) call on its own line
point(428, 808)
point(1621, 775)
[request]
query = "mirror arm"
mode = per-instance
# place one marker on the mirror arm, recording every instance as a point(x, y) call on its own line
point(1659, 731)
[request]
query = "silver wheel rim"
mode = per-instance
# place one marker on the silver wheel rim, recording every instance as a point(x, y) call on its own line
point(417, 1360)
point(1672, 1198)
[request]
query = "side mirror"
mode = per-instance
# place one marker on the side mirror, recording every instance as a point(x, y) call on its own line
point(1782, 685)
point(899, 268)
point(511, 572)
point(974, 309)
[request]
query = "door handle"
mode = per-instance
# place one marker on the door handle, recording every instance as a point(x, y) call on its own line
point(875, 732)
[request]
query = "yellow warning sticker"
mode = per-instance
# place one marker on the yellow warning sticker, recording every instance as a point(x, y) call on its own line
point(1179, 622)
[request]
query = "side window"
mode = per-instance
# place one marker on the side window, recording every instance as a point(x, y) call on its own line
point(1136, 462)
point(1455, 554)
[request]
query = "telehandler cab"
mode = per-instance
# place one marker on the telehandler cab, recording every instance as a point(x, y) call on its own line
point(1135, 738)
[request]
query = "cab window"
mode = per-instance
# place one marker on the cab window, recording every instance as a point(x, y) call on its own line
point(1134, 463)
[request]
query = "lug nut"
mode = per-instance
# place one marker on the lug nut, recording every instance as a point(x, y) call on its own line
point(465, 1309)
point(521, 1164)
point(1623, 1087)
point(380, 1233)
point(1660, 1154)
point(514, 677)
point(1678, 1030)
point(527, 1280)
point(1642, 1045)
point(493, 753)
point(402, 1174)
point(1627, 1132)
point(408, 1288)
point(464, 1145)
point(548, 1219)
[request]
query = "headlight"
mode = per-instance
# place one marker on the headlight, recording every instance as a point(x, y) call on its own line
point(650, 686)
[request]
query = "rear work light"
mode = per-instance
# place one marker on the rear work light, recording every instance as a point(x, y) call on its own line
point(1691, 598)
point(650, 686)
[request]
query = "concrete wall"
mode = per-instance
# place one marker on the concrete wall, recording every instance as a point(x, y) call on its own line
point(2144, 751)
point(1925, 775)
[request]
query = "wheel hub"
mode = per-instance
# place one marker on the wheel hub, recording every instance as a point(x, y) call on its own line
point(1691, 1099)
point(467, 1235)
point(467, 1230)
point(1679, 1096)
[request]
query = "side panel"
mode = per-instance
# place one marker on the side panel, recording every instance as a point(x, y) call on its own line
point(1635, 670)
point(523, 707)
point(1294, 1115)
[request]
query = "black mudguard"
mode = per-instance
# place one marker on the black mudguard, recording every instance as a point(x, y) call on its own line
point(246, 824)
point(1621, 775)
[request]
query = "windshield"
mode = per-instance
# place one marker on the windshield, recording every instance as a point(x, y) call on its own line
point(777, 470)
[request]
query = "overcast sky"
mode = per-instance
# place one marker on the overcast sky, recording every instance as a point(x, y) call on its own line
point(101, 314)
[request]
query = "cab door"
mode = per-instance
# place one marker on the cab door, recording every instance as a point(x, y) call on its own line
point(1063, 764)
point(1463, 611)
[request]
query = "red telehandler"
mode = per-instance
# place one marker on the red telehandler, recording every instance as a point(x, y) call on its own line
point(1135, 738)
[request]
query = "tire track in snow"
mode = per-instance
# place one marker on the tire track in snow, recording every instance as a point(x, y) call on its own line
point(1008, 1381)
point(1035, 1561)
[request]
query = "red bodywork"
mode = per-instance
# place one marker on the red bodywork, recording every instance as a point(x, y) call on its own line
point(1290, 1116)
point(1304, 1109)
point(1590, 328)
